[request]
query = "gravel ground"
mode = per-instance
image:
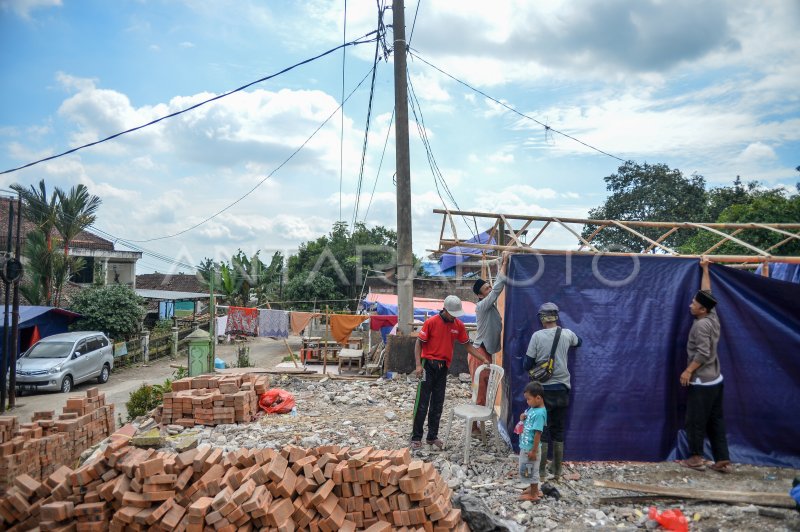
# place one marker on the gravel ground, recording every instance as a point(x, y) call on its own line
point(378, 413)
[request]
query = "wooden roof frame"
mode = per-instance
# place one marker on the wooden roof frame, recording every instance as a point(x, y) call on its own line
point(501, 223)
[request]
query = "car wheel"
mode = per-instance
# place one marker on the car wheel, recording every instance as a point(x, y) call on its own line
point(66, 384)
point(104, 373)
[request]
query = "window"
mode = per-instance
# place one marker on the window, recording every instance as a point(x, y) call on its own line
point(82, 347)
point(94, 344)
point(86, 274)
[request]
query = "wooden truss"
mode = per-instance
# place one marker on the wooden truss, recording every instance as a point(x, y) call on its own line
point(507, 238)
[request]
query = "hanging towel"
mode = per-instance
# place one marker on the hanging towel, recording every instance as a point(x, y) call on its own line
point(343, 324)
point(242, 321)
point(221, 325)
point(300, 320)
point(273, 323)
point(378, 321)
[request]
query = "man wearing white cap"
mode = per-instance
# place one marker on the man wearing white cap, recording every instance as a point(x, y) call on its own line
point(433, 353)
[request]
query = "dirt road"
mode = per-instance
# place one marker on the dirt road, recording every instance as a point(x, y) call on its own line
point(264, 353)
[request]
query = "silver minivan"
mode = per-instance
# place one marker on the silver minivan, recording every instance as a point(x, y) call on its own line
point(60, 361)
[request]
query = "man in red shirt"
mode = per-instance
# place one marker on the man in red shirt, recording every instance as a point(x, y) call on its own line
point(434, 352)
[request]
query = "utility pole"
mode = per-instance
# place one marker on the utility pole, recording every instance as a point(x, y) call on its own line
point(405, 259)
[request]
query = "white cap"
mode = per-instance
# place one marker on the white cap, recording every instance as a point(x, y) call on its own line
point(453, 306)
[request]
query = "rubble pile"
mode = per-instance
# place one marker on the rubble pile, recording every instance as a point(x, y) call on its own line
point(38, 448)
point(328, 488)
point(212, 400)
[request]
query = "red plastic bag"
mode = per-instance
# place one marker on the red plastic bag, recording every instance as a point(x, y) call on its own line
point(276, 401)
point(670, 519)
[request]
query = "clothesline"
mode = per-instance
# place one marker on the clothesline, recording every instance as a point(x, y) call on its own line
point(252, 321)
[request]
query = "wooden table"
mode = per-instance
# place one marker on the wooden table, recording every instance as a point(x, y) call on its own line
point(350, 355)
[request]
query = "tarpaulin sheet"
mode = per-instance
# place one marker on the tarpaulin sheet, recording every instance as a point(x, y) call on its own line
point(633, 316)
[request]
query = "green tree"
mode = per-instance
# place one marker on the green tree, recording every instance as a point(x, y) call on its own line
point(40, 209)
point(648, 192)
point(245, 278)
point(343, 258)
point(114, 309)
point(67, 213)
point(762, 206)
point(304, 291)
point(77, 210)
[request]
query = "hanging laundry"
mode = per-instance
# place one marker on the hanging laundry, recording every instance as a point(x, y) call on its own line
point(300, 320)
point(273, 323)
point(242, 321)
point(343, 324)
point(377, 321)
point(221, 325)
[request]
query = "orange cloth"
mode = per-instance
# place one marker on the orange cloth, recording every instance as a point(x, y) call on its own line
point(300, 320)
point(343, 324)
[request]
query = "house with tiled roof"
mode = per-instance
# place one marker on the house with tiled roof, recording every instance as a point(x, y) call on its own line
point(114, 266)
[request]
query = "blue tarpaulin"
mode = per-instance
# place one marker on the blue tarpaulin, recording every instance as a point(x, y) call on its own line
point(455, 255)
point(420, 313)
point(47, 320)
point(633, 316)
point(782, 271)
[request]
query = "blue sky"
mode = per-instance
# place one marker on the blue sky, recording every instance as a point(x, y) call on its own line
point(703, 86)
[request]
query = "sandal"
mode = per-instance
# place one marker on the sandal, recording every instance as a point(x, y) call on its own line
point(698, 466)
point(722, 467)
point(415, 445)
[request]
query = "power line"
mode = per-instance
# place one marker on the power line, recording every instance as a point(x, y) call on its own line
point(195, 106)
point(413, 25)
point(295, 152)
point(341, 134)
point(435, 170)
point(369, 116)
point(523, 115)
point(380, 165)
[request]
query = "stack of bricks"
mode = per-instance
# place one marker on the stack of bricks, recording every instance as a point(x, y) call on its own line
point(38, 448)
point(212, 400)
point(321, 489)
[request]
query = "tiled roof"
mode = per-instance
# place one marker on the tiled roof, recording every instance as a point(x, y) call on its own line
point(85, 239)
point(176, 282)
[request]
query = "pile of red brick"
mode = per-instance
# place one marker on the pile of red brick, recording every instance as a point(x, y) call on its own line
point(212, 400)
point(39, 447)
point(321, 489)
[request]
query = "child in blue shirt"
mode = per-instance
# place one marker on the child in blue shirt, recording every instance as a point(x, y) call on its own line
point(534, 418)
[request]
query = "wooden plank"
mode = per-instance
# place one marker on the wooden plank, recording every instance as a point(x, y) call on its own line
point(779, 500)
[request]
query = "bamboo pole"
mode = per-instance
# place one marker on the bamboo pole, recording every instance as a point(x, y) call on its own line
point(327, 336)
point(713, 258)
point(632, 223)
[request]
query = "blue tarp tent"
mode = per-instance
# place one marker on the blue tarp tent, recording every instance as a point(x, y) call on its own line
point(782, 271)
point(44, 321)
point(386, 305)
point(633, 316)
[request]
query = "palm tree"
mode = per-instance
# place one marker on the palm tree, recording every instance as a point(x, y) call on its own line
point(76, 211)
point(41, 210)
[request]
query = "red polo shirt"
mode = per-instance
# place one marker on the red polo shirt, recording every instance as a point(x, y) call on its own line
point(439, 336)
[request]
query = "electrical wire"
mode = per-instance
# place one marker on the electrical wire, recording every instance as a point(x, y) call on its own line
point(438, 177)
point(341, 134)
point(369, 116)
point(380, 165)
point(413, 25)
point(355, 42)
point(208, 219)
point(523, 115)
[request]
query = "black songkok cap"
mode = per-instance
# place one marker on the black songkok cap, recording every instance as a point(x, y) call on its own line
point(706, 299)
point(477, 286)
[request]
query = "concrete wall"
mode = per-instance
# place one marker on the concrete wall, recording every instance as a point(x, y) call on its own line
point(430, 288)
point(400, 356)
point(125, 272)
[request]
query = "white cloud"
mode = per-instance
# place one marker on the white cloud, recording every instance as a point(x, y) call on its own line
point(755, 152)
point(24, 8)
point(186, 44)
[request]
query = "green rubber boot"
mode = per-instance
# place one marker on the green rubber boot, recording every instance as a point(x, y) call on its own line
point(558, 457)
point(543, 463)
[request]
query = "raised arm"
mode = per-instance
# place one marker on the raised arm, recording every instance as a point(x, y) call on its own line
point(705, 282)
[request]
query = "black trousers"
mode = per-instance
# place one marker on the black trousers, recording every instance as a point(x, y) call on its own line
point(430, 401)
point(556, 402)
point(704, 417)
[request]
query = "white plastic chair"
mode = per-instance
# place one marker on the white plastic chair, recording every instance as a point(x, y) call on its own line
point(472, 412)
